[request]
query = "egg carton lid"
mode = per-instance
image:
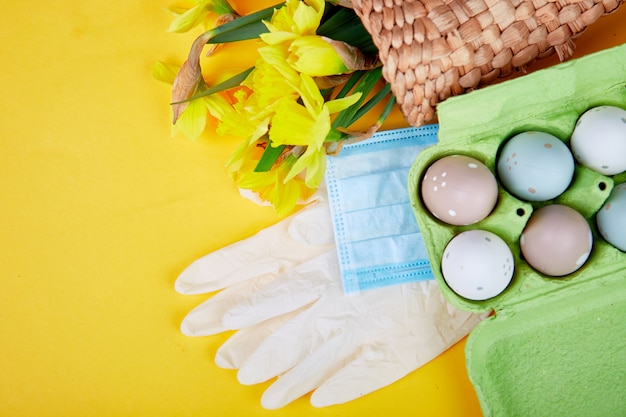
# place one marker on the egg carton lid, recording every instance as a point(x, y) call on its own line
point(554, 346)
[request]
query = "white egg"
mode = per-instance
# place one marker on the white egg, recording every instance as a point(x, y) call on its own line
point(535, 166)
point(477, 265)
point(599, 140)
point(611, 219)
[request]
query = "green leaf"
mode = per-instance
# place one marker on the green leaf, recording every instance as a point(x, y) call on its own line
point(388, 108)
point(371, 103)
point(334, 136)
point(354, 78)
point(244, 27)
point(232, 82)
point(269, 157)
point(365, 86)
point(344, 25)
point(249, 31)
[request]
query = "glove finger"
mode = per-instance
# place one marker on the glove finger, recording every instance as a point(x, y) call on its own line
point(271, 251)
point(310, 373)
point(436, 324)
point(284, 348)
point(298, 287)
point(207, 318)
point(428, 327)
point(238, 348)
point(375, 367)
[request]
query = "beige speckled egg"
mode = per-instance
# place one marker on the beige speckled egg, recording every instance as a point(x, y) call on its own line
point(557, 240)
point(459, 190)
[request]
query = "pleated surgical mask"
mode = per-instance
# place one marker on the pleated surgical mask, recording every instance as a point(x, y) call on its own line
point(378, 239)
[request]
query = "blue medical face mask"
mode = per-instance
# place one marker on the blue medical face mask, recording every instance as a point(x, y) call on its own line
point(378, 240)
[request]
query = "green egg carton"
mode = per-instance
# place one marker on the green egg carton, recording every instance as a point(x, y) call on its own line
point(554, 346)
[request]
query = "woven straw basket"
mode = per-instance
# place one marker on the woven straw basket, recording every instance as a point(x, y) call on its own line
point(434, 49)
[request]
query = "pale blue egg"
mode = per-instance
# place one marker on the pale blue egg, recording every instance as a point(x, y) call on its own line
point(535, 166)
point(611, 219)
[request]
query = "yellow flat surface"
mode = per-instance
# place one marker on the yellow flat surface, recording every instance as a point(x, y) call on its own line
point(100, 209)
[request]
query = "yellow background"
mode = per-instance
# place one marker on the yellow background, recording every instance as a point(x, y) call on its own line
point(100, 209)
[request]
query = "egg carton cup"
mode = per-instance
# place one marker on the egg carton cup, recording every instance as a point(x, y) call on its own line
point(555, 346)
point(435, 49)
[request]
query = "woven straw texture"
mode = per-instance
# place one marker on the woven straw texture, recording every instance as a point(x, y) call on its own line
point(434, 49)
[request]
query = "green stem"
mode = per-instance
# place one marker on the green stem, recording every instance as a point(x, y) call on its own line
point(371, 103)
point(365, 86)
point(269, 157)
point(243, 28)
point(232, 82)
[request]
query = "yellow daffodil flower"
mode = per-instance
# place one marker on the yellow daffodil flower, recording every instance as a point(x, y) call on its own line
point(271, 82)
point(192, 120)
point(307, 125)
point(202, 12)
point(243, 120)
point(278, 110)
point(271, 186)
point(295, 124)
point(313, 164)
point(314, 56)
point(302, 128)
point(294, 28)
point(295, 17)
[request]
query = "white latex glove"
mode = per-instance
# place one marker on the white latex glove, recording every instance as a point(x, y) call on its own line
point(281, 288)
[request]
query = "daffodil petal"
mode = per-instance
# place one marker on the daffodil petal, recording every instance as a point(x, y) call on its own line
point(255, 180)
point(242, 126)
point(337, 105)
point(165, 72)
point(188, 20)
point(310, 94)
point(307, 17)
point(192, 121)
point(282, 19)
point(234, 163)
point(276, 56)
point(291, 125)
point(315, 170)
point(314, 162)
point(269, 86)
point(217, 106)
point(277, 37)
point(320, 129)
point(318, 5)
point(286, 197)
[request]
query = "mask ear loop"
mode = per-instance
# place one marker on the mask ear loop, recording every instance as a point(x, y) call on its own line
point(333, 148)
